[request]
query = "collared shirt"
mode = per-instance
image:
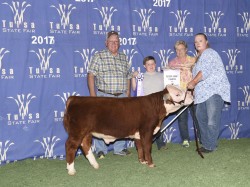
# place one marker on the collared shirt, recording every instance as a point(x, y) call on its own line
point(111, 72)
point(214, 78)
point(185, 70)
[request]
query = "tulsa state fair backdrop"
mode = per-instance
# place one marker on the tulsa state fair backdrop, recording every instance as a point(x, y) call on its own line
point(46, 47)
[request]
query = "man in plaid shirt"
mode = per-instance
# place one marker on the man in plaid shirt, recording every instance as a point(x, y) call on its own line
point(109, 75)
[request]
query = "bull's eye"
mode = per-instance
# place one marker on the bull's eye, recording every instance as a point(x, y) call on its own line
point(178, 95)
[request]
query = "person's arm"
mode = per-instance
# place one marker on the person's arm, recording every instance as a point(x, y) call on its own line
point(128, 88)
point(173, 64)
point(91, 84)
point(133, 80)
point(195, 80)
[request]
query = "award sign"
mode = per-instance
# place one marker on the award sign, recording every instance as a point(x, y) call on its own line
point(172, 76)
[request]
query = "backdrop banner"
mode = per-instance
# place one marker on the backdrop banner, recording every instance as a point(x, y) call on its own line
point(46, 47)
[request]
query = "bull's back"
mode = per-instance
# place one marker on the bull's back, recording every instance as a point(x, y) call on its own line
point(110, 115)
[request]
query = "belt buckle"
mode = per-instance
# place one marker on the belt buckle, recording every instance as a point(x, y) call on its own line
point(117, 94)
point(114, 94)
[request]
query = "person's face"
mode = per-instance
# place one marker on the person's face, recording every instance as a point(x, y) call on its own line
point(113, 44)
point(181, 50)
point(150, 66)
point(200, 43)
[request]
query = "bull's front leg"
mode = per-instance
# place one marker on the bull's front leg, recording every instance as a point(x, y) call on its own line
point(140, 153)
point(147, 148)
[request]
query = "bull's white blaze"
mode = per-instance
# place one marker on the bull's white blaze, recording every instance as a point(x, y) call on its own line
point(71, 169)
point(91, 159)
point(178, 95)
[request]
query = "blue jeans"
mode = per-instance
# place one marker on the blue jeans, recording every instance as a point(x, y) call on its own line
point(209, 118)
point(99, 143)
point(183, 122)
point(160, 139)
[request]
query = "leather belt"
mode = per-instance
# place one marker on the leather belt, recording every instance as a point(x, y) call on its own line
point(114, 94)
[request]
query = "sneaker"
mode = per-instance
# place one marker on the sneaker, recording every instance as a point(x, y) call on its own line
point(124, 152)
point(185, 143)
point(164, 147)
point(100, 155)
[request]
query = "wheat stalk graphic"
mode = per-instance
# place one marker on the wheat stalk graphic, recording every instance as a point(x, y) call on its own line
point(130, 54)
point(48, 145)
point(231, 55)
point(164, 56)
point(145, 16)
point(234, 129)
point(18, 11)
point(246, 19)
point(4, 148)
point(65, 96)
point(181, 18)
point(3, 51)
point(64, 11)
point(23, 103)
point(215, 18)
point(245, 90)
point(86, 55)
point(106, 14)
point(44, 56)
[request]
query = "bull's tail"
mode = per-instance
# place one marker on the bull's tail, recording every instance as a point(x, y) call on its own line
point(66, 115)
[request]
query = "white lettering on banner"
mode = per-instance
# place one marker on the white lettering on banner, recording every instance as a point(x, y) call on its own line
point(85, 1)
point(19, 25)
point(245, 104)
point(161, 3)
point(181, 29)
point(128, 41)
point(243, 30)
point(7, 77)
point(58, 116)
point(215, 30)
point(171, 76)
point(64, 27)
point(5, 73)
point(145, 29)
point(43, 40)
point(44, 56)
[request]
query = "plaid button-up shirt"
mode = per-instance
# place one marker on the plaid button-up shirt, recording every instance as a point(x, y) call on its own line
point(111, 72)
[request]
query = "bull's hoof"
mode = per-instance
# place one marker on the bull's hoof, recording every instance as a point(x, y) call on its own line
point(71, 169)
point(143, 161)
point(151, 165)
point(96, 166)
point(71, 173)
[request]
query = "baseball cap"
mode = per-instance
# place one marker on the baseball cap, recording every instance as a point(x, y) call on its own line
point(110, 33)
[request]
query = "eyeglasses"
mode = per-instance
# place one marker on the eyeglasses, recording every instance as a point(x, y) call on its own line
point(181, 49)
point(113, 42)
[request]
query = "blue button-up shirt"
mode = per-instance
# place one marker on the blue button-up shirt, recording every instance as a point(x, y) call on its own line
point(214, 78)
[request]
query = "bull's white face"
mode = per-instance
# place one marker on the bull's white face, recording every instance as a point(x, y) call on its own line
point(179, 98)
